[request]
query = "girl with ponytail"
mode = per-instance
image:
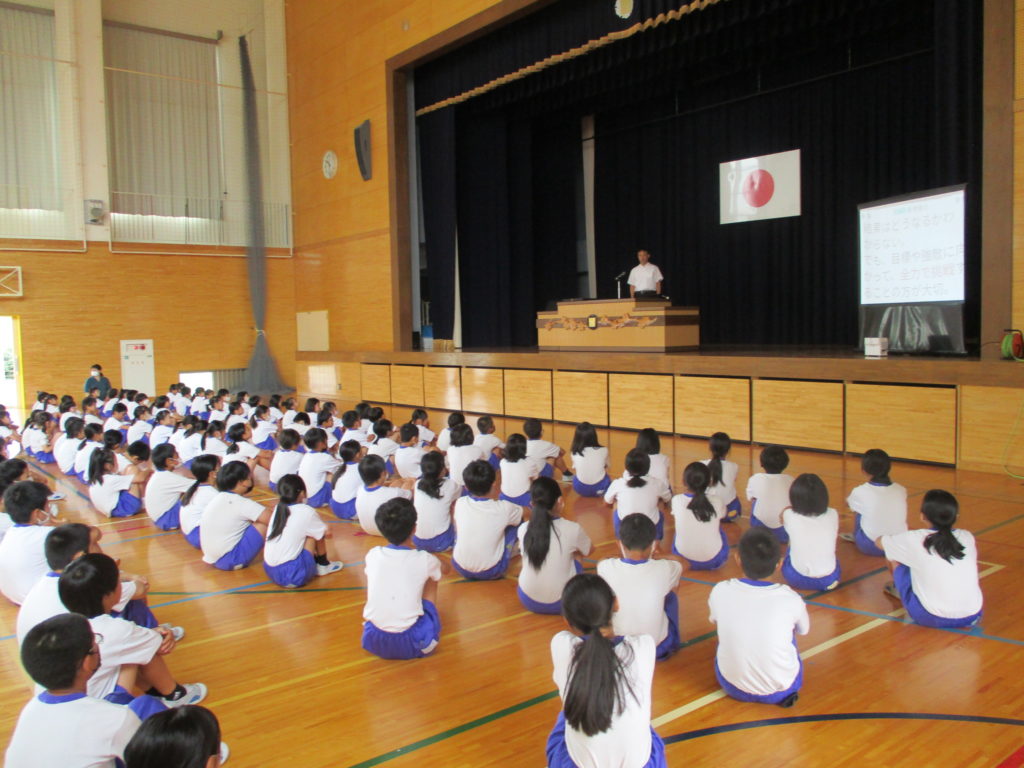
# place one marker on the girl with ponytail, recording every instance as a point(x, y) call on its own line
point(296, 548)
point(195, 499)
point(637, 492)
point(879, 506)
point(723, 475)
point(605, 685)
point(433, 497)
point(550, 546)
point(935, 570)
point(699, 537)
point(346, 481)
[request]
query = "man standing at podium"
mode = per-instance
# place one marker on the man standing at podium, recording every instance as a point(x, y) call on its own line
point(645, 278)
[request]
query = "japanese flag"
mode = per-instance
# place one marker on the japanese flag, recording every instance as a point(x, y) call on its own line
point(766, 187)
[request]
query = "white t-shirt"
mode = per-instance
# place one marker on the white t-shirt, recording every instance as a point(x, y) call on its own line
point(542, 449)
point(316, 470)
point(123, 643)
point(434, 516)
point(726, 490)
point(772, 494)
point(407, 460)
point(395, 577)
point(22, 560)
point(950, 590)
point(234, 418)
point(461, 456)
point(641, 587)
point(137, 430)
point(92, 418)
point(661, 467)
point(517, 476)
point(213, 446)
point(812, 542)
point(83, 455)
point(627, 742)
point(644, 500)
point(65, 453)
point(288, 417)
point(696, 540)
point(756, 626)
point(176, 439)
point(882, 509)
point(190, 447)
point(368, 501)
point(163, 491)
point(81, 732)
point(106, 493)
point(487, 444)
point(348, 484)
point(225, 521)
point(41, 603)
point(384, 447)
point(263, 430)
point(285, 463)
point(113, 423)
point(545, 584)
point(219, 413)
point(358, 435)
point(592, 466)
point(246, 451)
point(645, 277)
point(426, 436)
point(444, 437)
point(192, 513)
point(303, 523)
point(480, 531)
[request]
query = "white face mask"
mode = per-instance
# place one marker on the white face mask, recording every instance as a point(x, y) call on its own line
point(95, 374)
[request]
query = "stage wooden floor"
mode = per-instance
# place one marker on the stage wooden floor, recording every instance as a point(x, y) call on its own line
point(291, 685)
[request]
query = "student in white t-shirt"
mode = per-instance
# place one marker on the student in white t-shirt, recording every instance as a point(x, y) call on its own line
point(375, 490)
point(638, 492)
point(286, 458)
point(410, 451)
point(345, 483)
point(485, 527)
point(65, 452)
point(351, 429)
point(241, 448)
point(488, 442)
point(518, 471)
point(233, 527)
point(421, 419)
point(188, 439)
point(184, 736)
point(296, 548)
point(539, 448)
point(163, 428)
point(768, 491)
point(433, 497)
point(23, 547)
point(812, 527)
point(195, 500)
point(723, 475)
point(550, 547)
point(462, 451)
point(93, 441)
point(91, 411)
point(645, 586)
point(647, 440)
point(118, 419)
point(162, 498)
point(758, 620)
point(444, 438)
point(589, 462)
point(600, 726)
point(317, 468)
point(236, 415)
point(212, 440)
point(289, 412)
point(114, 494)
point(935, 570)
point(140, 428)
point(645, 278)
point(879, 505)
point(699, 538)
point(382, 444)
point(264, 428)
point(400, 620)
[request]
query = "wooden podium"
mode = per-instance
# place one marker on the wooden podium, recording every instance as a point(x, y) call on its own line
point(619, 325)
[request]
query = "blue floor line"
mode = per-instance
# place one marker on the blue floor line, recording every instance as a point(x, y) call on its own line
point(212, 594)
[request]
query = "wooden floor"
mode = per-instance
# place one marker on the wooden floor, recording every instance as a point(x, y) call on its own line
point(292, 687)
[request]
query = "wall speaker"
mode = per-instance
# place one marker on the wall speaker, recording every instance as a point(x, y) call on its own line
point(362, 139)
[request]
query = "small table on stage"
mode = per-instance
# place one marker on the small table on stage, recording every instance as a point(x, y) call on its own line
point(619, 325)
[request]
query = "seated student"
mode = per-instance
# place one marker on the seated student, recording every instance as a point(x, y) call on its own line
point(296, 548)
point(488, 442)
point(538, 448)
point(113, 494)
point(242, 448)
point(188, 438)
point(199, 494)
point(93, 441)
point(212, 440)
point(218, 410)
point(236, 415)
point(645, 586)
point(276, 414)
point(605, 685)
point(312, 409)
point(421, 419)
point(410, 452)
point(23, 547)
point(37, 439)
point(317, 468)
point(63, 726)
point(140, 428)
point(288, 406)
point(768, 491)
point(647, 440)
point(444, 438)
point(264, 429)
point(233, 527)
point(375, 490)
point(113, 398)
point(91, 412)
point(301, 424)
point(9, 435)
point(812, 527)
point(67, 409)
point(163, 491)
point(287, 459)
point(589, 462)
point(637, 492)
point(550, 547)
point(346, 481)
point(325, 421)
point(699, 538)
point(518, 471)
point(723, 475)
point(433, 498)
point(757, 658)
point(132, 658)
point(187, 736)
point(362, 410)
point(118, 419)
point(462, 451)
point(74, 434)
point(935, 570)
point(383, 445)
point(350, 429)
point(485, 527)
point(879, 505)
point(199, 405)
point(400, 620)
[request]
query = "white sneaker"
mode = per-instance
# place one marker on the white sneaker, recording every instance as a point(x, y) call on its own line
point(332, 567)
point(225, 753)
point(176, 632)
point(194, 693)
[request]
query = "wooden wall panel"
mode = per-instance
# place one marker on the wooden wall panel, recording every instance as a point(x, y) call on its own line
point(442, 388)
point(906, 422)
point(808, 414)
point(350, 381)
point(580, 396)
point(987, 419)
point(640, 401)
point(376, 383)
point(483, 390)
point(709, 404)
point(407, 385)
point(528, 393)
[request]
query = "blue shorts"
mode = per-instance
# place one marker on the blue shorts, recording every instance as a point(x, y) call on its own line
point(554, 608)
point(322, 497)
point(71, 473)
point(417, 641)
point(440, 543)
point(591, 490)
point(797, 580)
point(770, 698)
point(497, 570)
point(495, 461)
point(558, 753)
point(294, 573)
point(389, 465)
point(659, 527)
point(916, 611)
point(192, 537)
point(81, 477)
point(143, 706)
point(706, 565)
point(864, 544)
point(272, 486)
point(270, 444)
point(137, 612)
point(670, 644)
point(45, 457)
point(523, 499)
point(171, 519)
point(733, 509)
point(346, 510)
point(780, 532)
point(127, 505)
point(547, 470)
point(243, 553)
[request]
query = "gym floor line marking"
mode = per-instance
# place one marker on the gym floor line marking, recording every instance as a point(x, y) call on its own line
point(212, 594)
point(139, 538)
point(278, 623)
point(1013, 761)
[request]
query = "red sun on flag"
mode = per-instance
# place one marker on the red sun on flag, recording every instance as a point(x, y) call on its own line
point(758, 188)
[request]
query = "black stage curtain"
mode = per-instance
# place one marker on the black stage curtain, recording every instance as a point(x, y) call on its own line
point(436, 135)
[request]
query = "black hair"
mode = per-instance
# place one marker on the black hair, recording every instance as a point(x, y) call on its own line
point(461, 434)
point(54, 649)
point(598, 684)
point(161, 402)
point(533, 429)
point(347, 452)
point(301, 417)
point(140, 398)
point(311, 404)
point(254, 401)
point(183, 737)
point(88, 402)
point(73, 426)
point(162, 414)
point(371, 468)
point(162, 453)
point(140, 411)
point(362, 408)
point(64, 542)
point(455, 418)
point(941, 509)
point(515, 447)
point(112, 438)
point(236, 433)
point(431, 474)
point(877, 464)
point(288, 404)
point(774, 459)
point(396, 519)
point(720, 444)
point(119, 408)
point(193, 425)
point(97, 366)
point(324, 416)
point(478, 477)
point(202, 467)
point(139, 450)
point(66, 404)
point(91, 431)
point(759, 553)
point(638, 464)
point(544, 496)
point(376, 413)
point(647, 440)
point(231, 474)
point(314, 437)
point(485, 424)
point(235, 405)
point(418, 413)
point(408, 432)
point(808, 495)
point(697, 478)
point(98, 462)
point(274, 401)
point(584, 437)
point(382, 428)
point(85, 583)
point(258, 412)
point(113, 393)
point(288, 439)
point(349, 419)
point(213, 429)
point(637, 532)
point(289, 488)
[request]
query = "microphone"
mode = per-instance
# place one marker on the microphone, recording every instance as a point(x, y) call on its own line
point(622, 274)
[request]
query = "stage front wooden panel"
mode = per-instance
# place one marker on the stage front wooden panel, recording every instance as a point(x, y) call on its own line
point(376, 381)
point(350, 384)
point(800, 413)
point(580, 397)
point(528, 393)
point(988, 416)
point(407, 385)
point(637, 401)
point(638, 325)
point(483, 390)
point(709, 404)
point(906, 422)
point(442, 388)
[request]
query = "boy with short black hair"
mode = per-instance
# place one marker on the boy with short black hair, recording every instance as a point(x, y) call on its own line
point(410, 451)
point(488, 442)
point(375, 490)
point(768, 491)
point(23, 547)
point(542, 450)
point(485, 527)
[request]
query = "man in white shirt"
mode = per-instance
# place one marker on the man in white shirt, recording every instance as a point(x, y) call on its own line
point(645, 278)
